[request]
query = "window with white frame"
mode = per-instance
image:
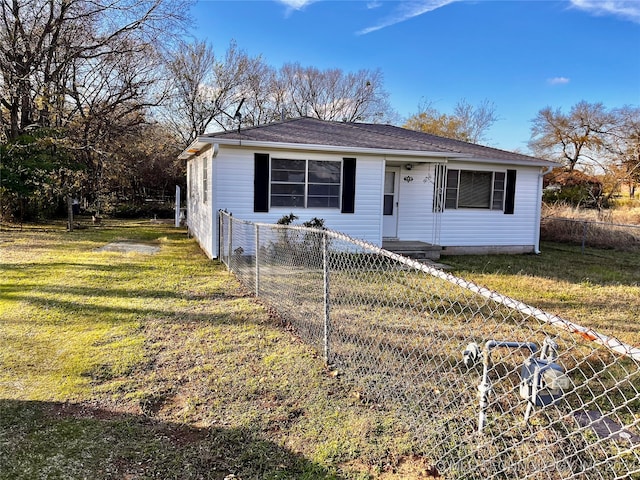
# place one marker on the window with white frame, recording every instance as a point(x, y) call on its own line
point(475, 189)
point(205, 181)
point(305, 183)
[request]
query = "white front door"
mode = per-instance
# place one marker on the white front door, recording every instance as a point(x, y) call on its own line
point(390, 202)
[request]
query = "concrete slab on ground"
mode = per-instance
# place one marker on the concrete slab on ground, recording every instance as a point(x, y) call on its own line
point(128, 247)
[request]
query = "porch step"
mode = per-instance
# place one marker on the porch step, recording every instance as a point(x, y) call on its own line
point(413, 249)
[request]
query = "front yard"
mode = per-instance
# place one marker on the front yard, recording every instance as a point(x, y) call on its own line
point(129, 365)
point(137, 365)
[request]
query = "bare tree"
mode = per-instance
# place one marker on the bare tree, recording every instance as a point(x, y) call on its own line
point(476, 120)
point(592, 138)
point(43, 41)
point(576, 138)
point(333, 95)
point(108, 100)
point(263, 95)
point(467, 123)
point(79, 72)
point(623, 146)
point(190, 74)
point(206, 90)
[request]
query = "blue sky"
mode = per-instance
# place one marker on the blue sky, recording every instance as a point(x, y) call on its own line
point(520, 55)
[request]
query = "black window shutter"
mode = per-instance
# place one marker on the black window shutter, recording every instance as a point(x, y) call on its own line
point(261, 182)
point(510, 192)
point(348, 185)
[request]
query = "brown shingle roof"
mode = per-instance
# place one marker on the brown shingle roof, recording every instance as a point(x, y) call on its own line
point(312, 131)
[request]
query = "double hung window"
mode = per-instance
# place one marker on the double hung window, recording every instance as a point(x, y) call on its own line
point(475, 189)
point(305, 183)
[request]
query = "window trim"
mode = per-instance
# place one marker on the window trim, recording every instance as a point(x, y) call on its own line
point(452, 190)
point(205, 181)
point(307, 183)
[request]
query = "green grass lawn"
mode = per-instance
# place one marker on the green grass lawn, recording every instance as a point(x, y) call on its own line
point(126, 365)
point(600, 289)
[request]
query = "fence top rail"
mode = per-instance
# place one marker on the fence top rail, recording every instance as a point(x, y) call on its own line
point(273, 225)
point(592, 222)
point(587, 333)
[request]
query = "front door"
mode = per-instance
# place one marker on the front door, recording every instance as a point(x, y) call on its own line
point(390, 202)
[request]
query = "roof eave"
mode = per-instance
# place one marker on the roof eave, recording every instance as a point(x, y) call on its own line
point(196, 147)
point(530, 162)
point(200, 144)
point(334, 148)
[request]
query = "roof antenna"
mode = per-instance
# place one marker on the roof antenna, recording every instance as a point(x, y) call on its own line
point(238, 116)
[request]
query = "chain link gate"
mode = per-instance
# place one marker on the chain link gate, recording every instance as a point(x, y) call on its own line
point(490, 387)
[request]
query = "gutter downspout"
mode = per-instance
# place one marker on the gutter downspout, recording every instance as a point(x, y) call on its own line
point(536, 248)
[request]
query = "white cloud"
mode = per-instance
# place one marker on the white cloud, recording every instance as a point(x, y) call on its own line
point(558, 81)
point(296, 4)
point(405, 11)
point(626, 9)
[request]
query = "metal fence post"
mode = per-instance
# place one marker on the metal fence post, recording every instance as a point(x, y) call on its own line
point(257, 260)
point(327, 304)
point(220, 237)
point(230, 242)
point(585, 226)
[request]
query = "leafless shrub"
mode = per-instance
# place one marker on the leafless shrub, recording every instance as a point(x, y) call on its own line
point(590, 233)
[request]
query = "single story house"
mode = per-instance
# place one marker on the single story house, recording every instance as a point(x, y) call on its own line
point(371, 181)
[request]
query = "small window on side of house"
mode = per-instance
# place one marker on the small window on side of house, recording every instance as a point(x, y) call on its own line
point(205, 181)
point(190, 180)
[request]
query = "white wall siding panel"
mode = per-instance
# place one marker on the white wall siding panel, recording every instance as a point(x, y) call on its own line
point(234, 184)
point(199, 213)
point(477, 227)
point(231, 188)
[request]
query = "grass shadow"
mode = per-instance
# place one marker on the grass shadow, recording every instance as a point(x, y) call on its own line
point(65, 440)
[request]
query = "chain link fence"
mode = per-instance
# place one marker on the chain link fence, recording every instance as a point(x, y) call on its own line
point(489, 386)
point(588, 233)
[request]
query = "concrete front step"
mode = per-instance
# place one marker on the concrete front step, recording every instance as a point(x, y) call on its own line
point(413, 249)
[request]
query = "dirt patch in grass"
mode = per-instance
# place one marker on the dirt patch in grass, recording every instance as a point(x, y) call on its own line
point(130, 247)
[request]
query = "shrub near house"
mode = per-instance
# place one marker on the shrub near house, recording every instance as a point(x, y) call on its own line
point(573, 187)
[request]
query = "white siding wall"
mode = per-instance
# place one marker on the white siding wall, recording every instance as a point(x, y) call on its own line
point(199, 214)
point(233, 191)
point(231, 184)
point(476, 227)
point(467, 227)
